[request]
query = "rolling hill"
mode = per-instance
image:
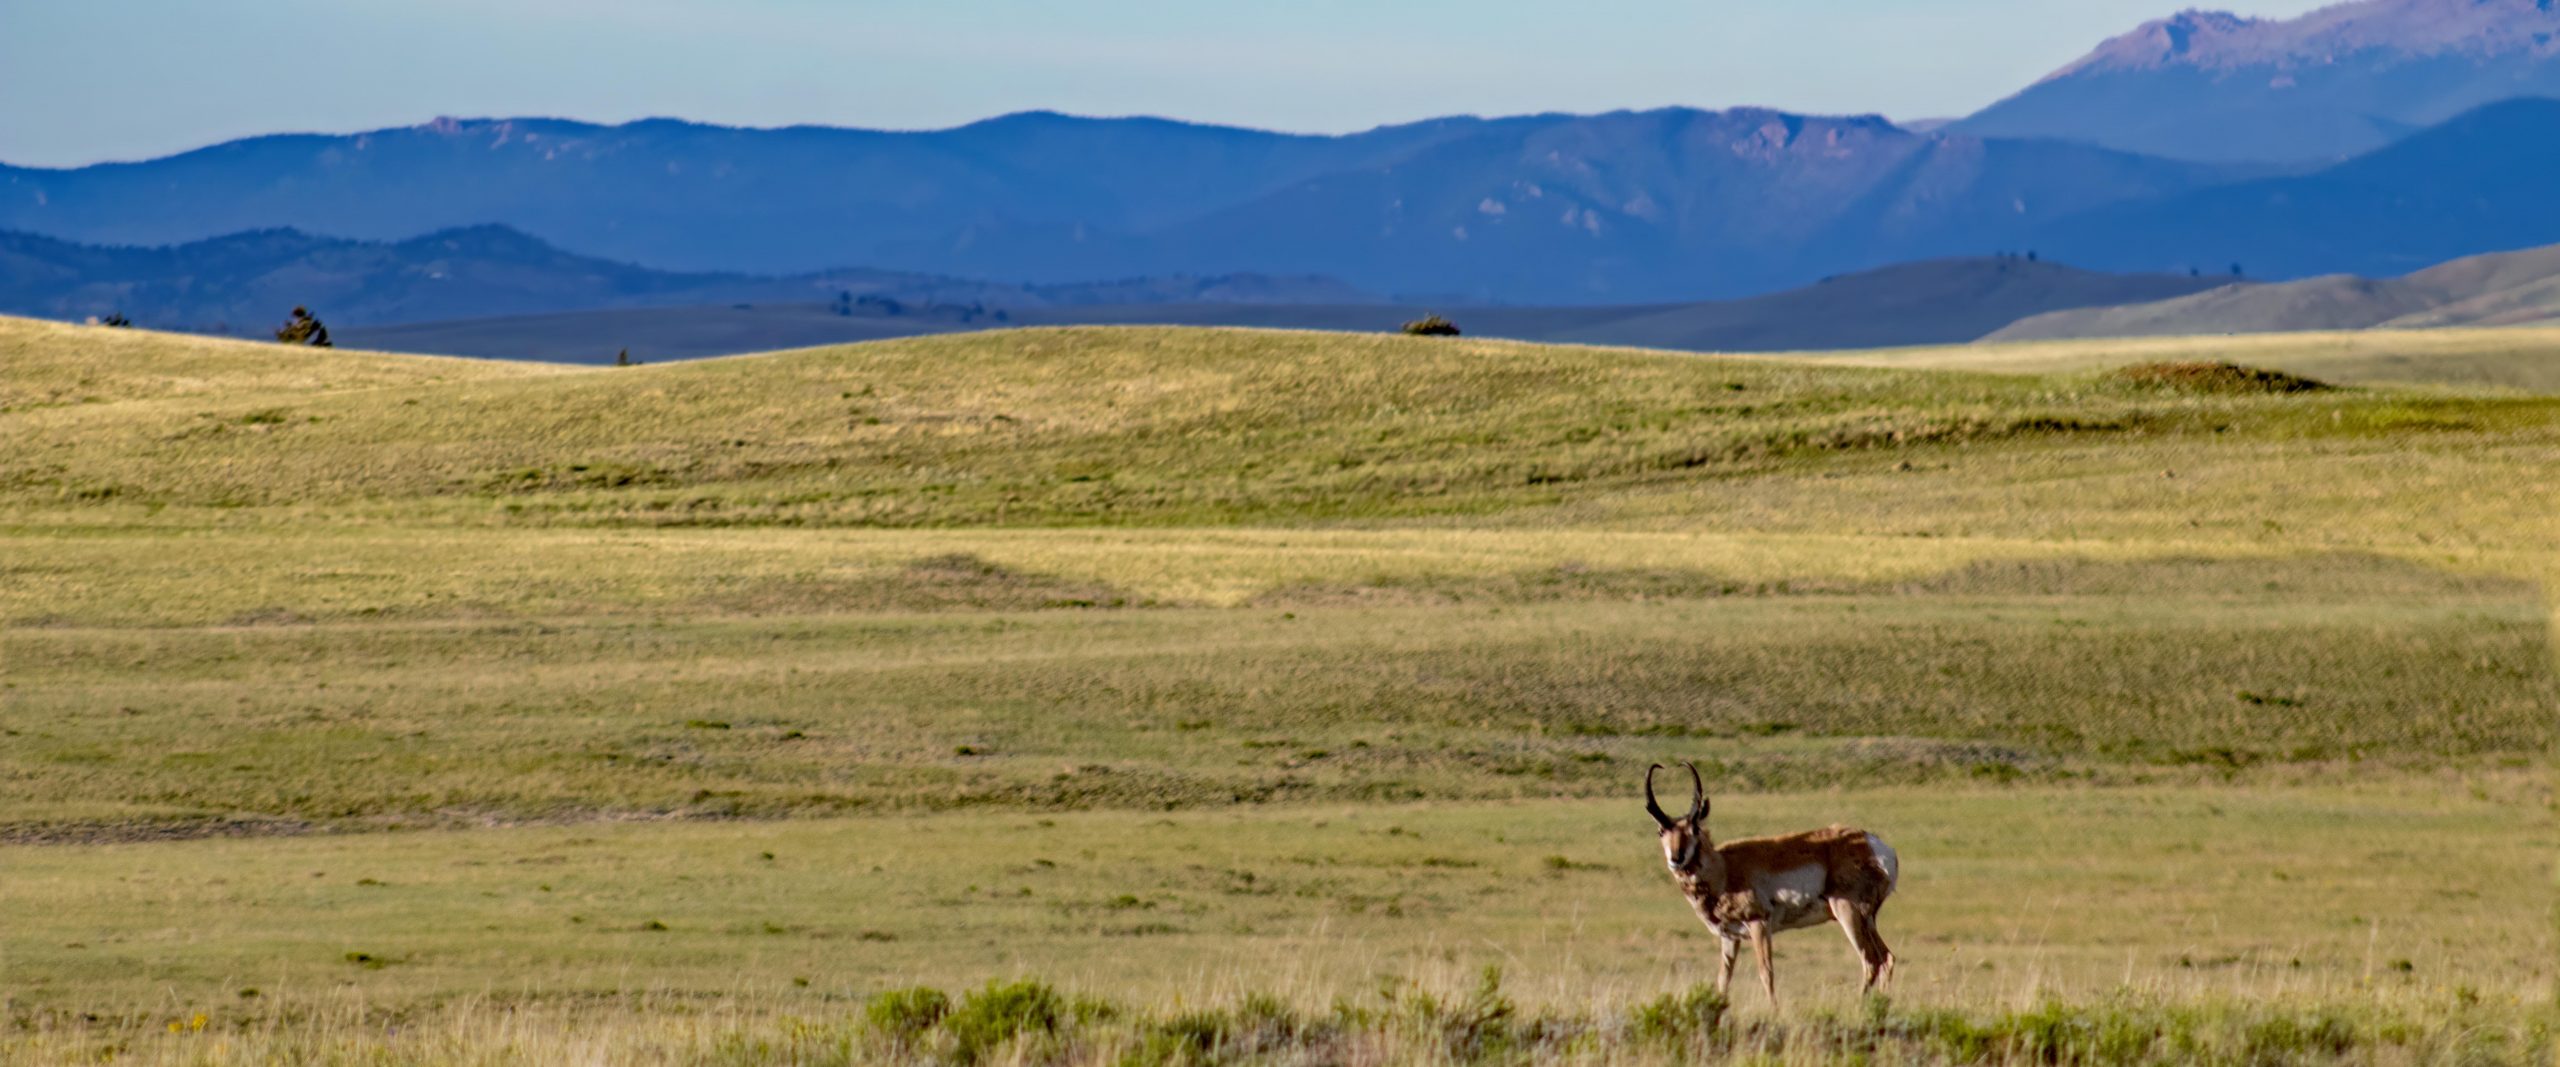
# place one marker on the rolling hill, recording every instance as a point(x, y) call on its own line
point(1673, 204)
point(51, 364)
point(1007, 426)
point(2506, 289)
point(2337, 82)
point(238, 283)
point(1933, 302)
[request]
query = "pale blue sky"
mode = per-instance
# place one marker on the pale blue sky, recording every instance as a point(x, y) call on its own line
point(85, 80)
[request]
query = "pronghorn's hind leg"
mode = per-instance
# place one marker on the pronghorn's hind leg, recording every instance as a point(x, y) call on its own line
point(1884, 971)
point(1760, 954)
point(1858, 921)
point(1846, 914)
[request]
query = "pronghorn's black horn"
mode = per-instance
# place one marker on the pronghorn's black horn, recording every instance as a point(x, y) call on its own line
point(1651, 806)
point(1697, 792)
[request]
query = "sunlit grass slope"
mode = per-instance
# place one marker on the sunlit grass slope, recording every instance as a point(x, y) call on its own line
point(1111, 426)
point(2520, 358)
point(49, 364)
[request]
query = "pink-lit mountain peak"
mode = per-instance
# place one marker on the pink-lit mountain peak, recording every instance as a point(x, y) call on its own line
point(2217, 40)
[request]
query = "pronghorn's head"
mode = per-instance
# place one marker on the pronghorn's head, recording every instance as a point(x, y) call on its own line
point(1684, 839)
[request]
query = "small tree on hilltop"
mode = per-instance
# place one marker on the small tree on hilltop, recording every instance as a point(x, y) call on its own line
point(1431, 326)
point(303, 329)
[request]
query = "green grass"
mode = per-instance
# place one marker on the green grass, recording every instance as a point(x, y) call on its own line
point(321, 667)
point(139, 731)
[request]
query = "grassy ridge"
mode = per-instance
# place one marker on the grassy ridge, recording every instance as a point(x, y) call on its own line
point(46, 364)
point(1095, 426)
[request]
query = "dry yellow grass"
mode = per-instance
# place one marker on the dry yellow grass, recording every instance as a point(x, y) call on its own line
point(49, 364)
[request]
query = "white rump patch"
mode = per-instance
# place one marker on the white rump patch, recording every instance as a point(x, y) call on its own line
point(1885, 858)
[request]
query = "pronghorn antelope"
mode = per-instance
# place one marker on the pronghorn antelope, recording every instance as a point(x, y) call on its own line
point(1748, 890)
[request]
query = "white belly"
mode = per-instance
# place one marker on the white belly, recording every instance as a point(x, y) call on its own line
point(1794, 897)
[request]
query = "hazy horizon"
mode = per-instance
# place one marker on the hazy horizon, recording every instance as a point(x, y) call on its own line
point(190, 77)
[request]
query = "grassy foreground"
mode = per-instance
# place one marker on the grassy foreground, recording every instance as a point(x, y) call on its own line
point(2224, 909)
point(1248, 695)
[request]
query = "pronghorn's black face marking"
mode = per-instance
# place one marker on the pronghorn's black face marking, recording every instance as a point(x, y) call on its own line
point(1683, 838)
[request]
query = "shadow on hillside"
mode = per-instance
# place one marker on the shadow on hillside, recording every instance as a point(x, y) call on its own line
point(2327, 576)
point(957, 581)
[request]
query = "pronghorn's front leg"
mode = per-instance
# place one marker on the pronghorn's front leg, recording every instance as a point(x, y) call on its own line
point(1724, 975)
point(1760, 954)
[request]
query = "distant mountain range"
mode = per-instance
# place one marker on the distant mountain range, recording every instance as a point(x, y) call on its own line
point(2507, 289)
point(1935, 302)
point(2340, 81)
point(2373, 137)
point(244, 282)
point(1672, 204)
point(2479, 183)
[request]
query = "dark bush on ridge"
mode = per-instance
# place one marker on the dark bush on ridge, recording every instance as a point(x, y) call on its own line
point(1431, 326)
point(303, 329)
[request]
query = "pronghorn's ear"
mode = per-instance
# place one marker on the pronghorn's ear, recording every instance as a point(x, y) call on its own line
point(1651, 806)
point(1698, 794)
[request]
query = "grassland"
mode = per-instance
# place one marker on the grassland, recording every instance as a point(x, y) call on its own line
point(1253, 683)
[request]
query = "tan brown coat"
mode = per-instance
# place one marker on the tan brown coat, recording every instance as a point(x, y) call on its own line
point(1747, 890)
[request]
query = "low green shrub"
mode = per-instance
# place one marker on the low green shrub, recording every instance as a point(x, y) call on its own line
point(905, 1014)
point(1003, 1011)
point(1678, 1018)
